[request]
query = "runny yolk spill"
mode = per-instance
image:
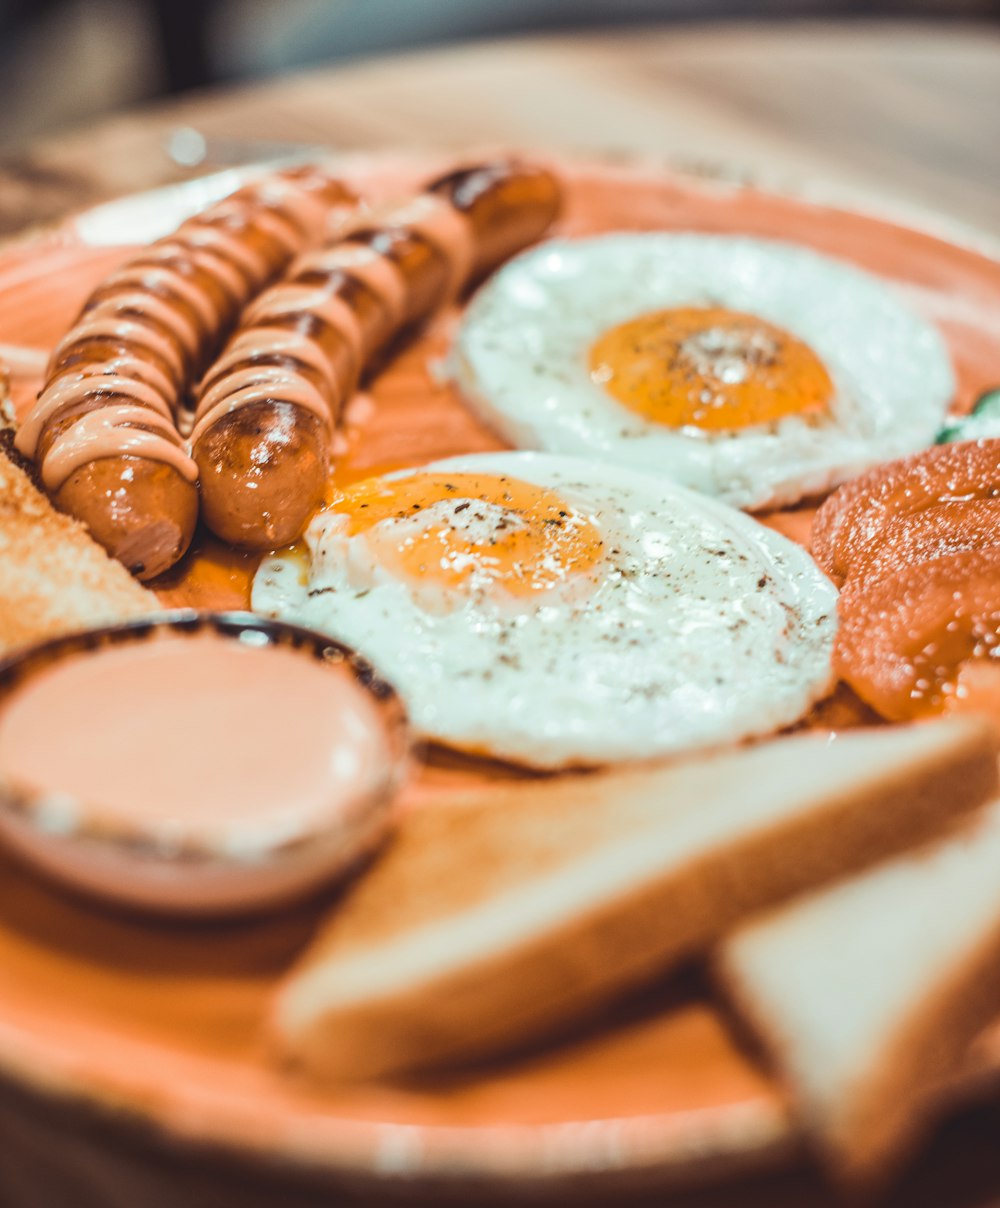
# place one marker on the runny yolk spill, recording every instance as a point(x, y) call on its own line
point(472, 531)
point(710, 368)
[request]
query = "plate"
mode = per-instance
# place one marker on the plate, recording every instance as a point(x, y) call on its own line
point(132, 1054)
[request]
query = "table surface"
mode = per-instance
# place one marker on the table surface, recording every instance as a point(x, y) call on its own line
point(905, 111)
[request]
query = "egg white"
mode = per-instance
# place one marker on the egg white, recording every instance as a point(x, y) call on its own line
point(701, 627)
point(520, 359)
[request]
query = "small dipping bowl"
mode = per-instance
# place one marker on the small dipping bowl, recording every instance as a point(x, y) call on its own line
point(197, 762)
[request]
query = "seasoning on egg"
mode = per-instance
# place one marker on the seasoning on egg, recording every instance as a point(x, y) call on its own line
point(751, 370)
point(557, 611)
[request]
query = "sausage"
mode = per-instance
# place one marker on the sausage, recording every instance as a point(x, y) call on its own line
point(268, 409)
point(104, 430)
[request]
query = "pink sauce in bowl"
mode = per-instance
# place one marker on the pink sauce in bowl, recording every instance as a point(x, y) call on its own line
point(197, 762)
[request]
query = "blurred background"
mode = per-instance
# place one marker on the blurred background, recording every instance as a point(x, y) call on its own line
point(66, 62)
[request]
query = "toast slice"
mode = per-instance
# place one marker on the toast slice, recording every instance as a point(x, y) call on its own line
point(498, 918)
point(54, 577)
point(868, 994)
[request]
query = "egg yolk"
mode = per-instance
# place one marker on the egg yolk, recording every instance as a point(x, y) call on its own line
point(472, 531)
point(710, 368)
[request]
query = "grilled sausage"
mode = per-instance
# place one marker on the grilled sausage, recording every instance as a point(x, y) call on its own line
point(268, 409)
point(104, 430)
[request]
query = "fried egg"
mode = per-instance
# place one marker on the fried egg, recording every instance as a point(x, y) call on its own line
point(555, 611)
point(754, 371)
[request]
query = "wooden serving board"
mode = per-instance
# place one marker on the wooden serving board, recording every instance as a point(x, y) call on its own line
point(134, 1052)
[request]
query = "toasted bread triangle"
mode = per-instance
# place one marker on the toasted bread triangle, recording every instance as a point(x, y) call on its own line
point(497, 918)
point(868, 993)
